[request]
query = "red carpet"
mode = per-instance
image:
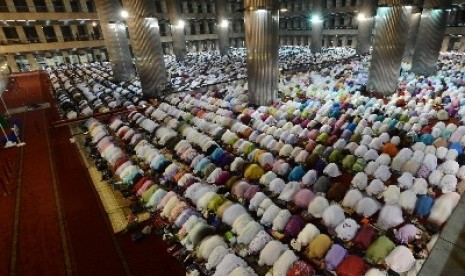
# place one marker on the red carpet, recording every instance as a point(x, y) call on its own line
point(62, 227)
point(39, 234)
point(7, 207)
point(93, 249)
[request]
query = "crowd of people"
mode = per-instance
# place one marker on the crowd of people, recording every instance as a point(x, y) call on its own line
point(85, 89)
point(327, 179)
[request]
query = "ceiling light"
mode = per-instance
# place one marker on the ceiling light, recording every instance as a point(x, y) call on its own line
point(316, 19)
point(181, 24)
point(261, 9)
point(124, 14)
point(224, 23)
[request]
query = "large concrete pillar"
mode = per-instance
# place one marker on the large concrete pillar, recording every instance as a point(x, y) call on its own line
point(96, 54)
point(83, 5)
point(74, 32)
point(206, 27)
point(344, 41)
point(187, 27)
point(445, 43)
point(209, 45)
point(411, 36)
point(203, 6)
point(66, 57)
point(326, 42)
point(146, 46)
point(31, 5)
point(222, 26)
point(184, 7)
point(74, 57)
point(32, 62)
point(12, 63)
point(164, 7)
point(4, 73)
point(67, 6)
point(40, 33)
point(2, 36)
point(462, 45)
point(49, 5)
point(366, 21)
point(388, 47)
point(177, 29)
point(262, 39)
point(197, 27)
point(116, 40)
point(354, 42)
point(317, 25)
point(11, 5)
point(433, 24)
point(451, 17)
point(58, 33)
point(21, 34)
point(90, 57)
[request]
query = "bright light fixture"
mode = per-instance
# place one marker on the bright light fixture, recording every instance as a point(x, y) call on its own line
point(224, 23)
point(124, 14)
point(361, 16)
point(261, 9)
point(94, 24)
point(181, 24)
point(316, 19)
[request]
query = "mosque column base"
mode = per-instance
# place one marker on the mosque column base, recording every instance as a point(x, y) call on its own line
point(429, 41)
point(262, 39)
point(389, 42)
point(146, 46)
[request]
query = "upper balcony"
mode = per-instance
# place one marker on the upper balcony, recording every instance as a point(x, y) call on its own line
point(455, 30)
point(50, 46)
point(23, 16)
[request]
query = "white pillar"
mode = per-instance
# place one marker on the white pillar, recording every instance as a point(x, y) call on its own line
point(31, 6)
point(262, 34)
point(40, 33)
point(49, 5)
point(21, 34)
point(83, 4)
point(11, 5)
point(2, 35)
point(67, 6)
point(12, 63)
point(58, 33)
point(445, 44)
point(74, 31)
point(462, 44)
point(32, 62)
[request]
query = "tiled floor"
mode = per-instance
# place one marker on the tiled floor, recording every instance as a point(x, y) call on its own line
point(448, 255)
